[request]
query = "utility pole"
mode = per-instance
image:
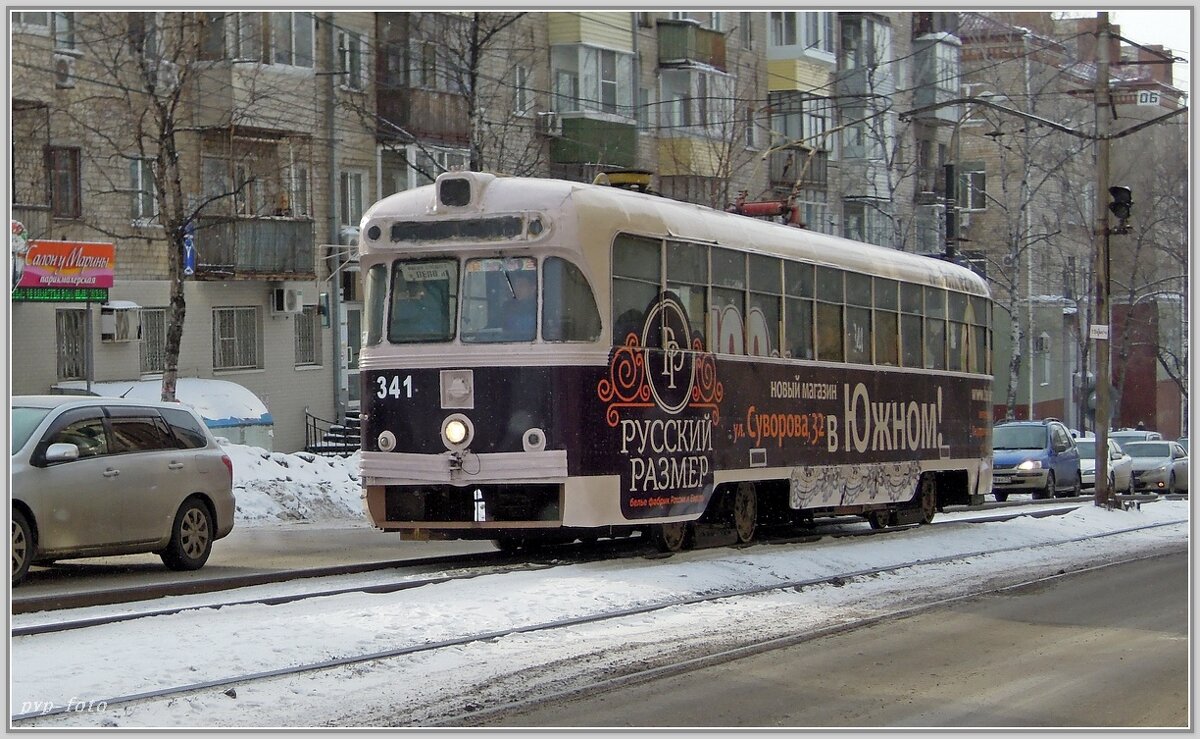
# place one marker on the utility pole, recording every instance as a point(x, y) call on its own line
point(1100, 318)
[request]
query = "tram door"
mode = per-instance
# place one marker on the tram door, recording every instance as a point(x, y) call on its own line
point(351, 328)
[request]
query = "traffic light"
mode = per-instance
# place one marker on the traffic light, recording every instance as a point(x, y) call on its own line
point(1121, 205)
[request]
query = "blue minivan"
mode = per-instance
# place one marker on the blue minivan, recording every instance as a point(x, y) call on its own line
point(1038, 457)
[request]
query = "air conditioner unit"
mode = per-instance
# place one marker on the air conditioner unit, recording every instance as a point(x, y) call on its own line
point(64, 70)
point(287, 300)
point(549, 124)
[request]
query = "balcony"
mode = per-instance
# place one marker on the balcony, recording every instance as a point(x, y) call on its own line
point(424, 114)
point(255, 248)
point(267, 97)
point(684, 42)
point(810, 167)
point(595, 138)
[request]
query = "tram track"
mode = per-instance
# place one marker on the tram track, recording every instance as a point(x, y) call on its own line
point(838, 579)
point(472, 565)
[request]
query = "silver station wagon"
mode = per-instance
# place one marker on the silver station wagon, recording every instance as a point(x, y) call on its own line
point(102, 476)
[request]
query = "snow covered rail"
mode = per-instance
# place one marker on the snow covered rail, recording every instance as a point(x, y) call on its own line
point(561, 613)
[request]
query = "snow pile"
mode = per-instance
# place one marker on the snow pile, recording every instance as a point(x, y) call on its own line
point(274, 486)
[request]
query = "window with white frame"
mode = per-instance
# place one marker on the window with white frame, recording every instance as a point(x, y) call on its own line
point(308, 336)
point(143, 35)
point(416, 165)
point(351, 197)
point(235, 338)
point(351, 49)
point(696, 102)
point(864, 221)
point(298, 204)
point(292, 39)
point(152, 352)
point(746, 30)
point(248, 38)
point(783, 29)
point(1042, 347)
point(28, 21)
point(64, 31)
point(141, 185)
point(866, 43)
point(818, 32)
point(70, 326)
point(972, 186)
point(522, 94)
point(591, 78)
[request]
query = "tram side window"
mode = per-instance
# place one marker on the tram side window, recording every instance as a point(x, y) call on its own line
point(858, 318)
point(568, 305)
point(935, 328)
point(831, 294)
point(911, 324)
point(959, 339)
point(729, 300)
point(500, 300)
point(687, 277)
point(637, 280)
point(762, 323)
point(798, 311)
point(887, 348)
point(980, 355)
point(424, 301)
point(374, 296)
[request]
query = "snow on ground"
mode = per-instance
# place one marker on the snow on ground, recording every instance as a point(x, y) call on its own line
point(274, 486)
point(86, 668)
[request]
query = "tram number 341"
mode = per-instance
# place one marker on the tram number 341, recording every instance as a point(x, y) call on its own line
point(394, 387)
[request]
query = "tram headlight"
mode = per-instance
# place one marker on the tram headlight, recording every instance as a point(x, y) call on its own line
point(457, 432)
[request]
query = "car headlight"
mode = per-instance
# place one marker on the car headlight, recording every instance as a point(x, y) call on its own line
point(1159, 470)
point(1030, 464)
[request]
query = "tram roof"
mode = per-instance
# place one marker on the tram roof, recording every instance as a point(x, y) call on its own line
point(688, 221)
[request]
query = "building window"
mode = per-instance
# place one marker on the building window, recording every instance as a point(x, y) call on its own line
point(143, 35)
point(292, 39)
point(588, 78)
point(153, 349)
point(350, 52)
point(298, 204)
point(522, 95)
point(32, 21)
point(783, 29)
point(698, 101)
point(71, 332)
point(141, 185)
point(64, 31)
point(744, 21)
point(249, 37)
point(212, 37)
point(235, 338)
point(818, 32)
point(308, 336)
point(972, 187)
point(63, 165)
point(350, 201)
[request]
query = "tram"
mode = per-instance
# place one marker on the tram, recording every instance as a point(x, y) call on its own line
point(546, 360)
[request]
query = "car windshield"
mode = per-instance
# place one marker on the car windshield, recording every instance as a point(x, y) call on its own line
point(24, 421)
point(1019, 437)
point(1146, 449)
point(1087, 449)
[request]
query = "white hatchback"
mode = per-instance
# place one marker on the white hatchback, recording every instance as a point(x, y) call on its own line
point(103, 476)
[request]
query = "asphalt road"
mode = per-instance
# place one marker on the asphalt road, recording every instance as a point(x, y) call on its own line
point(1107, 648)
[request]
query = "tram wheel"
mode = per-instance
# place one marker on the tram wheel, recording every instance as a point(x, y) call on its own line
point(927, 498)
point(877, 519)
point(671, 537)
point(745, 512)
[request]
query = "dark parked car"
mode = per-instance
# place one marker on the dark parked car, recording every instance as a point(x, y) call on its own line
point(103, 476)
point(1038, 457)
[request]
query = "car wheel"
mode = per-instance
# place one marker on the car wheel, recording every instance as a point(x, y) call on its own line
point(22, 546)
point(1048, 491)
point(1001, 497)
point(191, 537)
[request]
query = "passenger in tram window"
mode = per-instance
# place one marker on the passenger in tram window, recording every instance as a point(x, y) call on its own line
point(519, 317)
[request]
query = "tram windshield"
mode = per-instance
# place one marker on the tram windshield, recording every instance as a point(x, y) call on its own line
point(499, 301)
